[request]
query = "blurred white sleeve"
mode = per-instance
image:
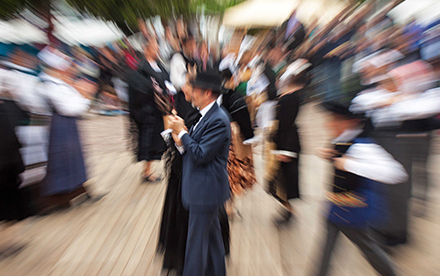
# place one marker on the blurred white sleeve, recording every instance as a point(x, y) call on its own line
point(369, 100)
point(373, 162)
point(426, 105)
point(177, 71)
point(65, 99)
point(170, 87)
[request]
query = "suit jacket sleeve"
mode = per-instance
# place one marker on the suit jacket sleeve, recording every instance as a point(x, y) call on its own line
point(204, 151)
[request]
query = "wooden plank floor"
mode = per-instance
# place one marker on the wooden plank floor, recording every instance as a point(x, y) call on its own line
point(118, 235)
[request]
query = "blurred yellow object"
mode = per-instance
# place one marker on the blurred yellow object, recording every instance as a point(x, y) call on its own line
point(272, 163)
point(272, 13)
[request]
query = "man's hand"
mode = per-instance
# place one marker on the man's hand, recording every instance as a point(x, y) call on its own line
point(339, 163)
point(176, 124)
point(176, 139)
point(326, 154)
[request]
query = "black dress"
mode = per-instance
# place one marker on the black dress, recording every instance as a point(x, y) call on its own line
point(144, 111)
point(286, 138)
point(12, 205)
point(174, 225)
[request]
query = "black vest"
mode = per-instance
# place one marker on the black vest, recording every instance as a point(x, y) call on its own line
point(344, 181)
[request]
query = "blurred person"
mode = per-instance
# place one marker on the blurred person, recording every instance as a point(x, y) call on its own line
point(283, 173)
point(292, 32)
point(146, 33)
point(182, 68)
point(174, 225)
point(119, 79)
point(215, 55)
point(168, 46)
point(66, 99)
point(243, 72)
point(181, 30)
point(12, 208)
point(147, 87)
point(26, 109)
point(312, 28)
point(204, 63)
point(398, 112)
point(356, 202)
point(240, 163)
point(205, 150)
point(132, 58)
point(276, 59)
point(17, 81)
point(106, 98)
point(261, 93)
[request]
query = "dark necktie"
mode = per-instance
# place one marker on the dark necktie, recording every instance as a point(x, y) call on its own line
point(196, 120)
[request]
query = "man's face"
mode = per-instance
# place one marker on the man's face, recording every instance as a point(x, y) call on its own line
point(190, 47)
point(152, 50)
point(187, 90)
point(199, 97)
point(245, 59)
point(180, 27)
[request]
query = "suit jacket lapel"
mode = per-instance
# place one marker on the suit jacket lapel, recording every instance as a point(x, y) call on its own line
point(203, 120)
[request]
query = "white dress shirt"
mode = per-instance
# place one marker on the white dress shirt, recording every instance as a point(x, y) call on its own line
point(370, 160)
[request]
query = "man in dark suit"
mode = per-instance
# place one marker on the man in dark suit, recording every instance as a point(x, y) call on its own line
point(205, 186)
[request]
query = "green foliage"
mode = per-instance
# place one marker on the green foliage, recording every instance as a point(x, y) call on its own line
point(124, 13)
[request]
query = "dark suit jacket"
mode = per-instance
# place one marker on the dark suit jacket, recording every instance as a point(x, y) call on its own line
point(205, 181)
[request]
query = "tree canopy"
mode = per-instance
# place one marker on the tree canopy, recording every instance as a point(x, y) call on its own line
point(124, 13)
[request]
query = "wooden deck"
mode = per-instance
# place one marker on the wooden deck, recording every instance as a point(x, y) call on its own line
point(118, 235)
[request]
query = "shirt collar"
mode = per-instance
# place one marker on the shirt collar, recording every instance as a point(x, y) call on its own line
point(206, 109)
point(348, 135)
point(220, 100)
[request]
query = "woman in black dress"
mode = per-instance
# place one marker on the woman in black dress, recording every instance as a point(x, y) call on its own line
point(145, 86)
point(284, 184)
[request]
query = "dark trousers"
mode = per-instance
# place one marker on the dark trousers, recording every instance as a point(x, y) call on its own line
point(420, 177)
point(205, 252)
point(361, 237)
point(395, 230)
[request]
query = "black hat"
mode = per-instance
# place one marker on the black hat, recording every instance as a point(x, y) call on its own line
point(340, 109)
point(209, 80)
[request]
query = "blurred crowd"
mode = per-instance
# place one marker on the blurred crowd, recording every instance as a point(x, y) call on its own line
point(381, 79)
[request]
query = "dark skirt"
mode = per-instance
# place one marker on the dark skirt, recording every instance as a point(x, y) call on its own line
point(150, 144)
point(174, 227)
point(285, 185)
point(13, 202)
point(66, 171)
